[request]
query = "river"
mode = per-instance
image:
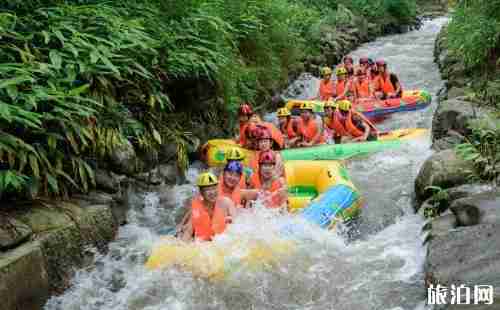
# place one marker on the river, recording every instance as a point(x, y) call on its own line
point(380, 269)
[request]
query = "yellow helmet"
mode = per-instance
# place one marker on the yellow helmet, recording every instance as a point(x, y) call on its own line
point(344, 105)
point(331, 104)
point(283, 112)
point(306, 106)
point(341, 71)
point(207, 179)
point(235, 154)
point(325, 71)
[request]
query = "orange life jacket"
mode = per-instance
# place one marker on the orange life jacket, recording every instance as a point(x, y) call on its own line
point(243, 134)
point(289, 129)
point(276, 185)
point(345, 126)
point(309, 130)
point(234, 195)
point(363, 89)
point(339, 87)
point(205, 228)
point(276, 134)
point(326, 90)
point(386, 84)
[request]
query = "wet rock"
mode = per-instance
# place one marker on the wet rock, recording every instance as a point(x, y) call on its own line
point(455, 92)
point(465, 255)
point(12, 233)
point(453, 115)
point(107, 180)
point(44, 217)
point(124, 159)
point(443, 169)
point(168, 152)
point(23, 278)
point(483, 208)
point(441, 225)
point(447, 142)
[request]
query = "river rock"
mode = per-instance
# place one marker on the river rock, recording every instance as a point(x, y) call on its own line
point(107, 180)
point(455, 92)
point(12, 233)
point(24, 283)
point(465, 255)
point(481, 208)
point(447, 142)
point(444, 169)
point(44, 217)
point(124, 159)
point(453, 115)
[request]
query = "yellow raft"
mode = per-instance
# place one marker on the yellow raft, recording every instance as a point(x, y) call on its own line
point(214, 151)
point(215, 260)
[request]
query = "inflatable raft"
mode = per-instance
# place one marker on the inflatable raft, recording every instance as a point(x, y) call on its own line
point(321, 192)
point(213, 152)
point(217, 260)
point(410, 101)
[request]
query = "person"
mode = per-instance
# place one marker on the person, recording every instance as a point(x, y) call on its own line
point(287, 126)
point(210, 212)
point(348, 64)
point(326, 85)
point(270, 186)
point(363, 87)
point(328, 126)
point(364, 65)
point(310, 132)
point(343, 85)
point(388, 85)
point(347, 122)
point(229, 184)
point(245, 113)
point(234, 154)
point(264, 143)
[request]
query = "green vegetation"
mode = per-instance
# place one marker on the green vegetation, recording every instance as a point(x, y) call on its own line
point(474, 38)
point(78, 78)
point(482, 148)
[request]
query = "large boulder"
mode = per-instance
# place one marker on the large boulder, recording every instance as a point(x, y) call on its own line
point(124, 159)
point(444, 169)
point(108, 181)
point(481, 208)
point(452, 115)
point(12, 233)
point(465, 255)
point(24, 282)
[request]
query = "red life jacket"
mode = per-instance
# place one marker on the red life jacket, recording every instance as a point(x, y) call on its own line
point(204, 226)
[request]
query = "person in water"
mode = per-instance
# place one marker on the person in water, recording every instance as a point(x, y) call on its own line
point(326, 85)
point(388, 85)
point(347, 123)
point(230, 184)
point(236, 155)
point(271, 187)
point(309, 130)
point(288, 127)
point(210, 212)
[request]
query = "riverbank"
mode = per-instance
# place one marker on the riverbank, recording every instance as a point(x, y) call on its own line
point(452, 188)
